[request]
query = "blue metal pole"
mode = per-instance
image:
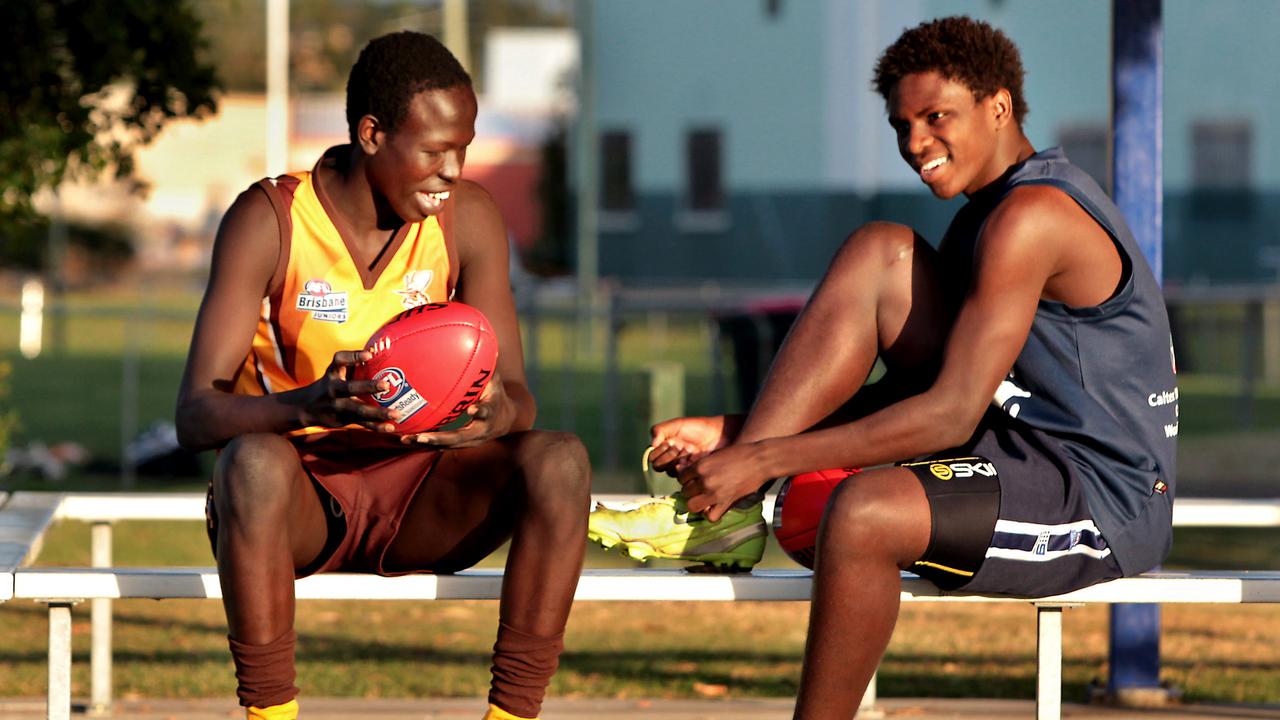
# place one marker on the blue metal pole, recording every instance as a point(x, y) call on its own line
point(1137, 136)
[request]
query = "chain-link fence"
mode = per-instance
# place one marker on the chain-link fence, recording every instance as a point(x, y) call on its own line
point(109, 365)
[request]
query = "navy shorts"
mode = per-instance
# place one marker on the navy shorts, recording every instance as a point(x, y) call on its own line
point(1009, 516)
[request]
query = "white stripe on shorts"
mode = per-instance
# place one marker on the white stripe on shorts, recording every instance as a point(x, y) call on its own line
point(1011, 539)
point(1017, 527)
point(1033, 556)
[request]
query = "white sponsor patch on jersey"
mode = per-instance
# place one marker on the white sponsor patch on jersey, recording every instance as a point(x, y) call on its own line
point(319, 299)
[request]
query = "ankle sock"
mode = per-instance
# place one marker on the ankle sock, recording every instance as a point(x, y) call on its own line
point(265, 673)
point(522, 668)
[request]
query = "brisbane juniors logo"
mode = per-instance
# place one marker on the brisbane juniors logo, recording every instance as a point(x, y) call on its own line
point(319, 298)
point(399, 394)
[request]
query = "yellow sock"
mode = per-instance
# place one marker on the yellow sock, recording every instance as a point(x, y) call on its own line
point(497, 713)
point(287, 711)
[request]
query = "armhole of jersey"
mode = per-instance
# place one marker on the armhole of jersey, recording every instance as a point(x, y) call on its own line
point(1124, 289)
point(285, 223)
point(451, 250)
point(275, 289)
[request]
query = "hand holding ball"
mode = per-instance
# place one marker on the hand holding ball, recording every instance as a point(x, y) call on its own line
point(437, 359)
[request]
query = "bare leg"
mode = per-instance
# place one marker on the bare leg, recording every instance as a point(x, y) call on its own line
point(535, 488)
point(880, 297)
point(260, 491)
point(876, 524)
point(270, 522)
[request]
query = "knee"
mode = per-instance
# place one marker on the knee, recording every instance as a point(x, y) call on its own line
point(554, 463)
point(884, 243)
point(253, 475)
point(858, 521)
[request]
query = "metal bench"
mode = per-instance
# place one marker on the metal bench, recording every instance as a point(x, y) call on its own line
point(60, 588)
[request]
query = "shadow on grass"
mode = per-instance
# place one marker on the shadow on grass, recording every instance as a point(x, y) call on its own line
point(748, 672)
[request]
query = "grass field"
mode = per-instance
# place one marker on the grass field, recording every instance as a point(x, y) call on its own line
point(1228, 447)
point(403, 649)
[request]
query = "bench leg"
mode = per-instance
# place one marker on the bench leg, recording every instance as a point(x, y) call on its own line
point(100, 629)
point(59, 702)
point(1049, 663)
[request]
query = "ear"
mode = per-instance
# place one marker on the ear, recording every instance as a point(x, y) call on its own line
point(370, 134)
point(1001, 107)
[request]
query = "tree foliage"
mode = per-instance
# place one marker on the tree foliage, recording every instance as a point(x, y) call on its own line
point(85, 82)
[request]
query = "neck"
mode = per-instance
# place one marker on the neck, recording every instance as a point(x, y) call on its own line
point(1010, 151)
point(349, 190)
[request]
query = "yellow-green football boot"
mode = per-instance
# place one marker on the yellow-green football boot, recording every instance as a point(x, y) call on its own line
point(664, 528)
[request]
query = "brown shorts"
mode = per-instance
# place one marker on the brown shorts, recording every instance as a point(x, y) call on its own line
point(365, 489)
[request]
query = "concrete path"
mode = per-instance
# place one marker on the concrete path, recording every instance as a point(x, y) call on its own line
point(560, 709)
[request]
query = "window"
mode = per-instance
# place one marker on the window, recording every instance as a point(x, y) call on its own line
point(616, 193)
point(1221, 168)
point(706, 193)
point(1220, 154)
point(1087, 147)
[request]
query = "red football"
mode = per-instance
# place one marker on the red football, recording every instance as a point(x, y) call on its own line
point(438, 358)
point(799, 508)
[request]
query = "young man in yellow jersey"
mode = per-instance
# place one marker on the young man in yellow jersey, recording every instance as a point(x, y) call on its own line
point(310, 479)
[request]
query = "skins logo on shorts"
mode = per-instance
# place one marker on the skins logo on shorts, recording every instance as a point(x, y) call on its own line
point(319, 299)
point(400, 396)
point(948, 469)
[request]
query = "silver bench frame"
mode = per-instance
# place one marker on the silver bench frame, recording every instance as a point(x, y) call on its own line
point(25, 516)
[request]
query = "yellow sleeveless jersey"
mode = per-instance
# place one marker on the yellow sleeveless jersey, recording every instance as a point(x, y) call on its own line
point(325, 303)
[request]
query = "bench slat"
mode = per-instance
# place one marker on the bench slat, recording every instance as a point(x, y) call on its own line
point(93, 507)
point(23, 521)
point(1226, 512)
point(620, 584)
point(6, 575)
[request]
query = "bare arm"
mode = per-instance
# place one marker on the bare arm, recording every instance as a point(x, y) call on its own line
point(483, 282)
point(209, 414)
point(1020, 250)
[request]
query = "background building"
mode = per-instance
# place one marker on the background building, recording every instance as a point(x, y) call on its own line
point(751, 157)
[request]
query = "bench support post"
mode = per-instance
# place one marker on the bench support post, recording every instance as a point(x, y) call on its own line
point(59, 700)
point(1049, 662)
point(100, 632)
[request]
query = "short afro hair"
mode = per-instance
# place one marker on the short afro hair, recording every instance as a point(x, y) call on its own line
point(391, 70)
point(958, 48)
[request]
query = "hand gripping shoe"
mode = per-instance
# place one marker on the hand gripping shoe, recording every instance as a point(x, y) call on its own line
point(664, 528)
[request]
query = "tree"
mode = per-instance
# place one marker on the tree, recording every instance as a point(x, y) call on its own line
point(85, 82)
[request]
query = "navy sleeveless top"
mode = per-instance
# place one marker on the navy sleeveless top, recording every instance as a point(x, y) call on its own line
point(1101, 380)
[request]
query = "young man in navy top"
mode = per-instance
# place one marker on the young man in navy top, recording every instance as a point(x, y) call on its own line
point(1027, 421)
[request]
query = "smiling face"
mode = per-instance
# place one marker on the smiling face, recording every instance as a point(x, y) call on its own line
point(951, 139)
point(415, 166)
